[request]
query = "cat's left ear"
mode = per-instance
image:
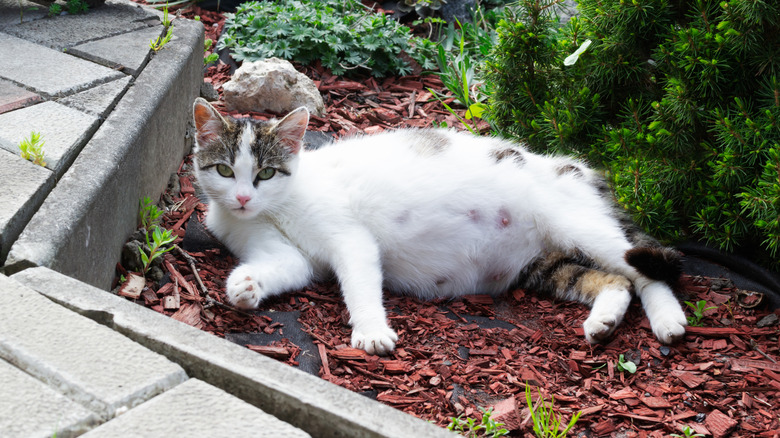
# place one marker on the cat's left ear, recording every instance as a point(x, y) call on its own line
point(291, 128)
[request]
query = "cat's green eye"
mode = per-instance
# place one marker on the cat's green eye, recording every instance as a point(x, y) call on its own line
point(266, 173)
point(224, 170)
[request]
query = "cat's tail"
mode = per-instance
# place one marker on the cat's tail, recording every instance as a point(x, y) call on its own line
point(656, 262)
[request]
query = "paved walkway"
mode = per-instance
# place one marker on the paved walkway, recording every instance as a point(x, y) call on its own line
point(75, 359)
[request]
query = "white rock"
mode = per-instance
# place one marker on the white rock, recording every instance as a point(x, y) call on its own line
point(273, 85)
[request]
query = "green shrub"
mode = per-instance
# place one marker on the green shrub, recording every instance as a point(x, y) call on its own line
point(343, 34)
point(678, 100)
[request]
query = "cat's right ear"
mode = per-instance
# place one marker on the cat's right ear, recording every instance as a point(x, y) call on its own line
point(208, 122)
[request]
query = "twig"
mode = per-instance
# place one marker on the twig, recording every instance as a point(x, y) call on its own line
point(191, 261)
point(209, 301)
point(755, 347)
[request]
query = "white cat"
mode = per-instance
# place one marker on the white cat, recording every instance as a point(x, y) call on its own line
point(433, 213)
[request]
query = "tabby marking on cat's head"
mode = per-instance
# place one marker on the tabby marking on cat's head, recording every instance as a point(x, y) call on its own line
point(244, 165)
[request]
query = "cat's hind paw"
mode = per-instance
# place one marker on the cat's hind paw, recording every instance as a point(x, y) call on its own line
point(243, 291)
point(375, 339)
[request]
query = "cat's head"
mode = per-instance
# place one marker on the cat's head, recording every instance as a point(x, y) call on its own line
point(246, 165)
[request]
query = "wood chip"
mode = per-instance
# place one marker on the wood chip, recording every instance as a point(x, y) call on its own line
point(719, 424)
point(133, 286)
point(279, 353)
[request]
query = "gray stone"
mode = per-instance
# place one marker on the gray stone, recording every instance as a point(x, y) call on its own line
point(100, 100)
point(25, 186)
point(14, 97)
point(89, 363)
point(133, 54)
point(81, 227)
point(64, 31)
point(53, 73)
point(64, 131)
point(768, 321)
point(29, 408)
point(273, 85)
point(195, 408)
point(307, 402)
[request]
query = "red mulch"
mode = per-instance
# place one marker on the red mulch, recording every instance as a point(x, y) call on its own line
point(722, 380)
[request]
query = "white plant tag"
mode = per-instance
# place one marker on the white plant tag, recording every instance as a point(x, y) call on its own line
point(571, 59)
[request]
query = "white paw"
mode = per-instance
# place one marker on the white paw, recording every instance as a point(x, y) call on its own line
point(599, 326)
point(375, 338)
point(669, 326)
point(242, 290)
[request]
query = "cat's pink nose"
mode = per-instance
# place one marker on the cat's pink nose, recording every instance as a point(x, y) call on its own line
point(243, 199)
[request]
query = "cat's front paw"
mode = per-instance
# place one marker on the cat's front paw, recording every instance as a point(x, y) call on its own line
point(374, 338)
point(243, 291)
point(669, 327)
point(599, 327)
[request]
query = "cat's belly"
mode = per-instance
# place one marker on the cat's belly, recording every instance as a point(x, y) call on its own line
point(476, 252)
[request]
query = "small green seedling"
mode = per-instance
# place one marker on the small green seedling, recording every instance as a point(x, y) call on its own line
point(160, 42)
point(625, 365)
point(32, 148)
point(698, 310)
point(160, 238)
point(213, 57)
point(149, 214)
point(487, 426)
point(547, 423)
point(688, 432)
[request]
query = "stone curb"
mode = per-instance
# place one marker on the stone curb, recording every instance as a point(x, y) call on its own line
point(307, 402)
point(80, 228)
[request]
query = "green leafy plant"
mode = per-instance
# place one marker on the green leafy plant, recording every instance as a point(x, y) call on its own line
point(698, 310)
point(55, 9)
point(76, 6)
point(625, 365)
point(342, 34)
point(688, 432)
point(678, 101)
point(547, 423)
point(32, 148)
point(148, 214)
point(487, 427)
point(160, 238)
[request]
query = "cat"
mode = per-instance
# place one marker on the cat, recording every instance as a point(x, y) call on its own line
point(432, 213)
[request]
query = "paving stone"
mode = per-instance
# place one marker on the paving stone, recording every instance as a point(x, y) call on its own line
point(64, 130)
point(10, 12)
point(65, 31)
point(87, 362)
point(29, 408)
point(310, 403)
point(25, 186)
point(54, 73)
point(132, 57)
point(98, 101)
point(14, 97)
point(196, 408)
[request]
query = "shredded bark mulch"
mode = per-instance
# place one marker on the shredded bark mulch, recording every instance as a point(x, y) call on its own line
point(454, 357)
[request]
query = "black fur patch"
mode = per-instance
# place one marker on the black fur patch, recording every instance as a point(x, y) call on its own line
point(508, 153)
point(656, 262)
